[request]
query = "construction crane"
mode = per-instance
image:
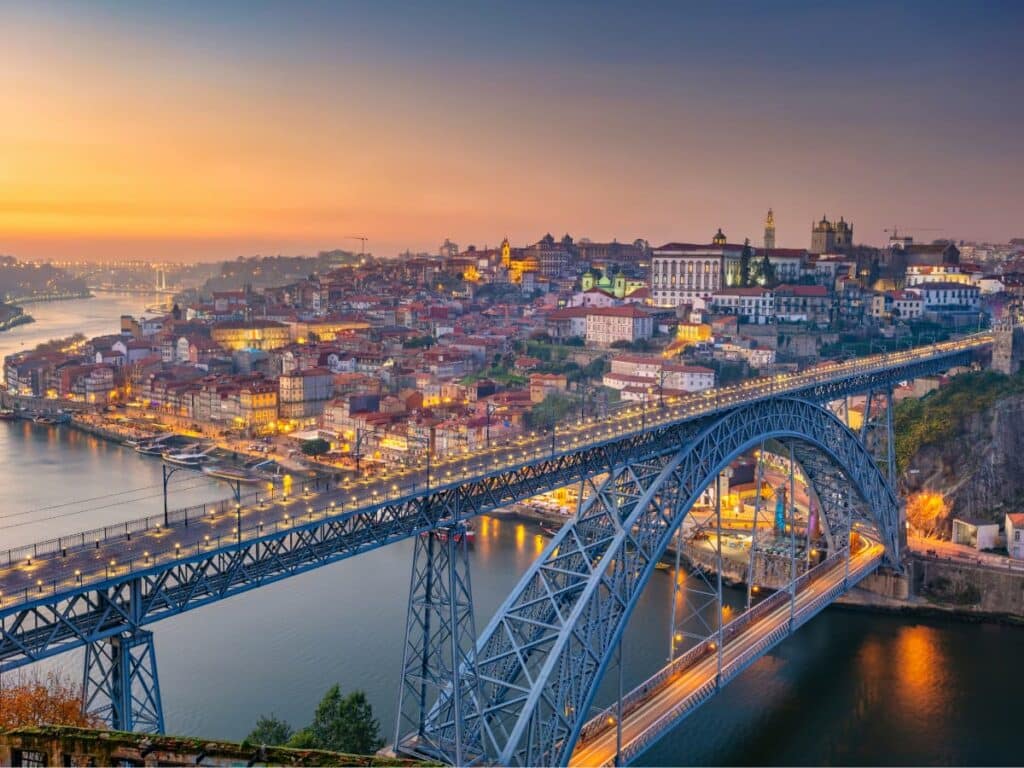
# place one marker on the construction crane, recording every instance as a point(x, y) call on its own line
point(893, 232)
point(362, 247)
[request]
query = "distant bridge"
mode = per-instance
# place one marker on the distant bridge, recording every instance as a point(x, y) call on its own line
point(523, 691)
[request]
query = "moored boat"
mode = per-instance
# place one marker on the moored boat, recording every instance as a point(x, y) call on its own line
point(234, 474)
point(187, 458)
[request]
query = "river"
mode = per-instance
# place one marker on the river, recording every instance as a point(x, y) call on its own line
point(849, 688)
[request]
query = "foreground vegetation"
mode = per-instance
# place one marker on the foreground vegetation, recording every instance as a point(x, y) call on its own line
point(941, 416)
point(340, 724)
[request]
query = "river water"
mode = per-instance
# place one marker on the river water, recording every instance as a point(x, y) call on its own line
point(849, 688)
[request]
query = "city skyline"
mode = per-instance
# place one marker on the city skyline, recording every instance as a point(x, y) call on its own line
point(195, 133)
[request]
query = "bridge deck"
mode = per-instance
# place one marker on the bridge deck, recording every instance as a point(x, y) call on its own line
point(679, 688)
point(45, 572)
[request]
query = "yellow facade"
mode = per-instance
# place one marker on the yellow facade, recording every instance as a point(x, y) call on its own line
point(264, 337)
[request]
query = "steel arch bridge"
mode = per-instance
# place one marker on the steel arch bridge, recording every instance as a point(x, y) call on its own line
point(462, 701)
point(541, 658)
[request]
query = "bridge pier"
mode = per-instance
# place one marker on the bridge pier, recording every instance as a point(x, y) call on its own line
point(120, 684)
point(439, 661)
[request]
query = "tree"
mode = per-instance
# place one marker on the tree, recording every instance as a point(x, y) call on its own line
point(53, 700)
point(343, 724)
point(745, 258)
point(766, 273)
point(315, 447)
point(271, 731)
point(550, 411)
point(418, 342)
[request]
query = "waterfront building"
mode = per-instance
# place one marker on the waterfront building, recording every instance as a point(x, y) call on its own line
point(303, 394)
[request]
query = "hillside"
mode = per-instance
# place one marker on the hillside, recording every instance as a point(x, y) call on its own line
point(966, 441)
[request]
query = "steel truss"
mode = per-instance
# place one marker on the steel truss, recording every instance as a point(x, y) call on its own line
point(73, 616)
point(544, 653)
point(120, 684)
point(440, 653)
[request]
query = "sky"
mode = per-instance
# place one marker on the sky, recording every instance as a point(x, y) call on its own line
point(188, 131)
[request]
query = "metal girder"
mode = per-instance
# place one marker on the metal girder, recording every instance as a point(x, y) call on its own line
point(440, 653)
point(544, 653)
point(120, 683)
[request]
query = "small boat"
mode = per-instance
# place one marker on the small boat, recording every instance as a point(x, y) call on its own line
point(662, 566)
point(154, 446)
point(549, 531)
point(42, 419)
point(234, 474)
point(187, 458)
point(8, 415)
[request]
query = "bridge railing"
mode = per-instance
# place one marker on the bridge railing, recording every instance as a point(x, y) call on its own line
point(702, 648)
point(532, 449)
point(654, 731)
point(123, 531)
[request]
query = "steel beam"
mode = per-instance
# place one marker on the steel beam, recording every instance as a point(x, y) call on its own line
point(440, 654)
point(121, 685)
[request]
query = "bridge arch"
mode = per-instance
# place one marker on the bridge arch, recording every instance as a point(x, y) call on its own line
point(543, 655)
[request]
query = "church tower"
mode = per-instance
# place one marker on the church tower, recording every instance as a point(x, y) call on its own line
point(769, 230)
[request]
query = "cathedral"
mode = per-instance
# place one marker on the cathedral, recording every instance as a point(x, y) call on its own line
point(831, 236)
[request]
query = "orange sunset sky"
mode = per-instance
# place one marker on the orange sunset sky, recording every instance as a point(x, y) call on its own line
point(199, 131)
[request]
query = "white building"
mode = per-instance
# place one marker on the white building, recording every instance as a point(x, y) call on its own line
point(1014, 527)
point(752, 305)
point(681, 272)
point(610, 324)
point(950, 297)
point(907, 305)
point(980, 534)
point(652, 372)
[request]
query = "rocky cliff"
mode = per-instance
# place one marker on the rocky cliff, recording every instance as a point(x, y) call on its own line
point(968, 445)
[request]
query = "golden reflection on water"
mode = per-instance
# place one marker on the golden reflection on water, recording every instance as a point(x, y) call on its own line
point(520, 537)
point(921, 669)
point(914, 668)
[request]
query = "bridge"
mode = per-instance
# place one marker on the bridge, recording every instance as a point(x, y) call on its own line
point(524, 691)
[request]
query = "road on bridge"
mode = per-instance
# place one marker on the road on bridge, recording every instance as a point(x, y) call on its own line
point(654, 714)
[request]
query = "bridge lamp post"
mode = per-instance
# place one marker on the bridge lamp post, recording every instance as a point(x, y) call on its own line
point(167, 476)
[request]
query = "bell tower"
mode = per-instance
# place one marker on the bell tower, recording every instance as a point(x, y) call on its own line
point(769, 230)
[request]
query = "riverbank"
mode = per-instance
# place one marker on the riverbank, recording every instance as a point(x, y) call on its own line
point(50, 297)
point(14, 322)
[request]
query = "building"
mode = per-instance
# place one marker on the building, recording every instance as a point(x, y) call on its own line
point(980, 534)
point(1014, 527)
point(907, 305)
point(950, 297)
point(544, 384)
point(257, 405)
point(303, 394)
point(769, 231)
point(611, 324)
point(803, 304)
point(682, 272)
point(251, 334)
point(566, 323)
point(751, 305)
point(831, 236)
point(640, 373)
